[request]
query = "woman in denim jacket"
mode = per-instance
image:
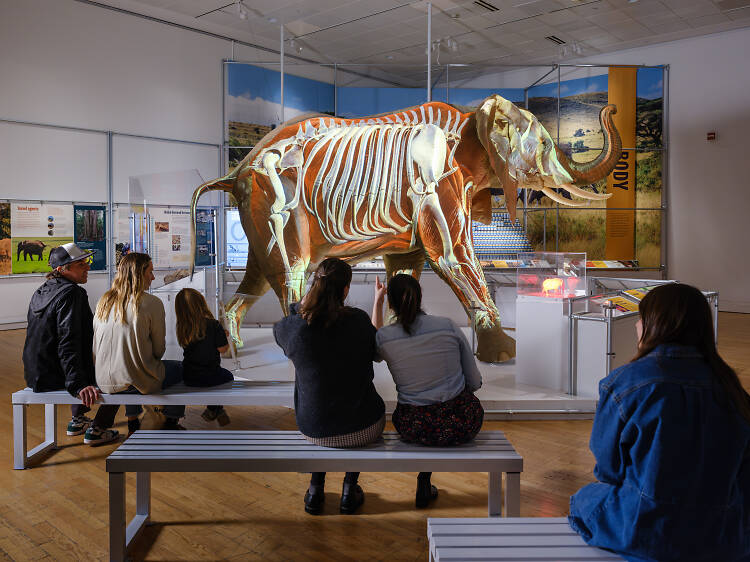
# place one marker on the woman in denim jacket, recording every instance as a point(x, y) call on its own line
point(671, 439)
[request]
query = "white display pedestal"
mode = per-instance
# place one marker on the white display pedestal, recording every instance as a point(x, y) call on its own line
point(542, 342)
point(601, 344)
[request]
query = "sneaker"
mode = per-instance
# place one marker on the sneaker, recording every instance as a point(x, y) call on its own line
point(95, 436)
point(223, 418)
point(173, 424)
point(133, 426)
point(78, 425)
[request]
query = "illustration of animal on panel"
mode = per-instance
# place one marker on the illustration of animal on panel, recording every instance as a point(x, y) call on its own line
point(30, 248)
point(404, 186)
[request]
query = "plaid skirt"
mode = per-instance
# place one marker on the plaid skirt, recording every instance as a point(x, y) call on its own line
point(352, 440)
point(453, 422)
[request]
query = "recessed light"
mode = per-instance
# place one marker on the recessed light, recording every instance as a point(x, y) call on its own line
point(272, 20)
point(389, 57)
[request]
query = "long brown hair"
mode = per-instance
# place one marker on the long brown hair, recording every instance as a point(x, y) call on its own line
point(405, 299)
point(324, 302)
point(129, 285)
point(679, 313)
point(192, 312)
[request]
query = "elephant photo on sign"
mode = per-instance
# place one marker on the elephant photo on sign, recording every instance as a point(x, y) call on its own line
point(405, 186)
point(30, 248)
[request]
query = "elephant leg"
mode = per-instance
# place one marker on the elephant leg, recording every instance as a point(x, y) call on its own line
point(444, 228)
point(280, 238)
point(253, 286)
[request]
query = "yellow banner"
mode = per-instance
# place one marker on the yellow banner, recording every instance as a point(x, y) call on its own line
point(620, 242)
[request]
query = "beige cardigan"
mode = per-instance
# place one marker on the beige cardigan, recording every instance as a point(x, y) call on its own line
point(130, 354)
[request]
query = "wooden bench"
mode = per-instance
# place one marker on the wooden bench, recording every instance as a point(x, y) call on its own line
point(522, 538)
point(288, 451)
point(235, 393)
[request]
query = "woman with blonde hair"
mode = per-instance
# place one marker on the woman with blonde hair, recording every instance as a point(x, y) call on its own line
point(130, 338)
point(202, 339)
point(332, 347)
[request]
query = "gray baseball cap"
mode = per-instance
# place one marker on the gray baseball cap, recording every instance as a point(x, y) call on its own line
point(67, 253)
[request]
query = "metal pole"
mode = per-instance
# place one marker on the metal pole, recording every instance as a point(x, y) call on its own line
point(217, 300)
point(429, 51)
point(110, 205)
point(281, 69)
point(335, 90)
point(665, 173)
point(557, 205)
point(447, 83)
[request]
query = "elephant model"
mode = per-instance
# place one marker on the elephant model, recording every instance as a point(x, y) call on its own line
point(406, 186)
point(30, 247)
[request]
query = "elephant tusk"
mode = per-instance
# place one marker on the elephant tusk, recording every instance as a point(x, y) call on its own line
point(573, 190)
point(555, 197)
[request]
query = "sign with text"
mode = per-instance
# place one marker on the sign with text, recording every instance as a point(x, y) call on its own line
point(620, 224)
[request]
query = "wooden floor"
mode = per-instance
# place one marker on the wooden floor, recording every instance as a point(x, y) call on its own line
point(58, 510)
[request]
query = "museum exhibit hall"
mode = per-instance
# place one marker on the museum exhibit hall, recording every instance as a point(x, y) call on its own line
point(478, 260)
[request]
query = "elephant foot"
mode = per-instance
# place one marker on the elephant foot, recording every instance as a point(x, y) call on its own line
point(494, 345)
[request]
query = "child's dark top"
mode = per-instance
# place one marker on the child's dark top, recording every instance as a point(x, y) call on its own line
point(201, 361)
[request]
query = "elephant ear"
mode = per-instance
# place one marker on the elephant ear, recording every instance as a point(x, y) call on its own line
point(499, 136)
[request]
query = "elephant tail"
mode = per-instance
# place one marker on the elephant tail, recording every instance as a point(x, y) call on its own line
point(225, 183)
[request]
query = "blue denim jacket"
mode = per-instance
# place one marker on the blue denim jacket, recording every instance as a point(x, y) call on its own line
point(672, 464)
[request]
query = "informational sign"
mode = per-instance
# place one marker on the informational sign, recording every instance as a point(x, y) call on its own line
point(36, 228)
point(204, 237)
point(237, 245)
point(170, 245)
point(5, 242)
point(90, 233)
point(620, 224)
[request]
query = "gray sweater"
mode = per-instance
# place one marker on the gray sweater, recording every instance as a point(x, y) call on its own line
point(431, 365)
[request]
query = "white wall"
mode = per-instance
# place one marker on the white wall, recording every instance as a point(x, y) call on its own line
point(708, 198)
point(66, 63)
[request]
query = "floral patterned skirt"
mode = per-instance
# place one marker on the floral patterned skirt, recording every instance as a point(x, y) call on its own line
point(453, 422)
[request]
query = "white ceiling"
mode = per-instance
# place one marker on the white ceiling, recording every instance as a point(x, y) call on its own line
point(391, 34)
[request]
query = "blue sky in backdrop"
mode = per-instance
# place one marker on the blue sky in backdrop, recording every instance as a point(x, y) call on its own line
point(254, 94)
point(649, 85)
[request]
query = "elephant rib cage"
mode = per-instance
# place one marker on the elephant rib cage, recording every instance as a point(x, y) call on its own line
point(364, 179)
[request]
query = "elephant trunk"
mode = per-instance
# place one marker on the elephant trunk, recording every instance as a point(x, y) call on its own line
point(588, 172)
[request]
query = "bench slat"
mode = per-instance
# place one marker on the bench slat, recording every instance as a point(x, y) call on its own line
point(541, 553)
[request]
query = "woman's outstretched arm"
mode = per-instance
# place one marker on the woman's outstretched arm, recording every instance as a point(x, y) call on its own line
point(377, 305)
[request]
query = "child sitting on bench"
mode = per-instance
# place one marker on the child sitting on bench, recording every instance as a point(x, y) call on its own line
point(202, 339)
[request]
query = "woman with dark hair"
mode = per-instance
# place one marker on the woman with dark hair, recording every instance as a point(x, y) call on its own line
point(671, 439)
point(434, 370)
point(332, 347)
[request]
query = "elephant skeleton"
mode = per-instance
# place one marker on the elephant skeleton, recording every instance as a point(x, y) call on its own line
point(405, 186)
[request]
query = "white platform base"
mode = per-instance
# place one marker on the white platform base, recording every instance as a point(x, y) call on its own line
point(502, 398)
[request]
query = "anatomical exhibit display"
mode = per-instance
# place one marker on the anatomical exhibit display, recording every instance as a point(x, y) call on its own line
point(405, 186)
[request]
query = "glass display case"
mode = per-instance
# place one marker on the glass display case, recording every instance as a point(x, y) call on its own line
point(556, 275)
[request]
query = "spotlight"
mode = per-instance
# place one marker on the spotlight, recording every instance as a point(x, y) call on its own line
point(241, 10)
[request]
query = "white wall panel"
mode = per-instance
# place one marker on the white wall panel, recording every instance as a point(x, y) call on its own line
point(53, 164)
point(138, 157)
point(16, 295)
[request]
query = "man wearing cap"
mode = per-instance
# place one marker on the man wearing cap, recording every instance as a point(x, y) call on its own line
point(59, 338)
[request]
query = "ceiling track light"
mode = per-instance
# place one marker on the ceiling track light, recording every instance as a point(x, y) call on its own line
point(241, 10)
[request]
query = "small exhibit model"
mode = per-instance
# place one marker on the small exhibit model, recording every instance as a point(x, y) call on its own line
point(404, 186)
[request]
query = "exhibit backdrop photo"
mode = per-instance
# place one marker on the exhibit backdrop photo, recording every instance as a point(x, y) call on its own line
point(36, 228)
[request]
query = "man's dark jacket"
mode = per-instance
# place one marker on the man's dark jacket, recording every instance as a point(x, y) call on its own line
point(59, 338)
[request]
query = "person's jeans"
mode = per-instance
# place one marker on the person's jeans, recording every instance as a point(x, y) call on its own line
point(172, 375)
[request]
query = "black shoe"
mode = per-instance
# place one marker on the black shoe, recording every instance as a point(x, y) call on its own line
point(425, 497)
point(133, 426)
point(172, 424)
point(314, 502)
point(352, 499)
